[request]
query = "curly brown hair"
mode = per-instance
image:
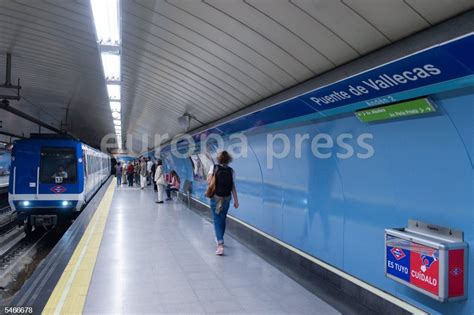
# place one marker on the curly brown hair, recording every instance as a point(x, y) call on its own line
point(224, 158)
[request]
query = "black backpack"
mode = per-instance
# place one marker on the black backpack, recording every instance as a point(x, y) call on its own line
point(224, 180)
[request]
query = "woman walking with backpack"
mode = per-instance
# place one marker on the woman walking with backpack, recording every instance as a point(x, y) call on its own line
point(221, 190)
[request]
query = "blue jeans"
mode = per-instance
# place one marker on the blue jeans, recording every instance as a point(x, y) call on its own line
point(219, 218)
point(119, 180)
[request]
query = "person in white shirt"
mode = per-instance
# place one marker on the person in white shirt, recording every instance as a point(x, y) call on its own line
point(160, 181)
point(149, 165)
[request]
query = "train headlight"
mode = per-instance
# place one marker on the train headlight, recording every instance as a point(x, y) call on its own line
point(25, 203)
point(66, 203)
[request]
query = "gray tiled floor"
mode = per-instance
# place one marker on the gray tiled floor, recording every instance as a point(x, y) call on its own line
point(159, 259)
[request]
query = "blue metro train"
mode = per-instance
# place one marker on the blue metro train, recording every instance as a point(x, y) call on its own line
point(52, 178)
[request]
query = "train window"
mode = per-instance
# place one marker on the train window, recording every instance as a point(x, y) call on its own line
point(58, 166)
point(5, 158)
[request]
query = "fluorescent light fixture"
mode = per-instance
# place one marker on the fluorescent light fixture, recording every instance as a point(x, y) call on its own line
point(116, 115)
point(106, 15)
point(115, 106)
point(106, 20)
point(114, 91)
point(111, 64)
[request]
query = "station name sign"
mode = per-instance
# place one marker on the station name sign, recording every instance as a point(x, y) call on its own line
point(383, 82)
point(441, 63)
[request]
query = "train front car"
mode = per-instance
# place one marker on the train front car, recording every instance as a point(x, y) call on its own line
point(47, 181)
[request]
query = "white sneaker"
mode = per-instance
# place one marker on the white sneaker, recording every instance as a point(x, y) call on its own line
point(220, 250)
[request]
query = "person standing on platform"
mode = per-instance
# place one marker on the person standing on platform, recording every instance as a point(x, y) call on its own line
point(153, 169)
point(149, 165)
point(118, 173)
point(130, 174)
point(160, 180)
point(136, 167)
point(221, 191)
point(124, 173)
point(143, 173)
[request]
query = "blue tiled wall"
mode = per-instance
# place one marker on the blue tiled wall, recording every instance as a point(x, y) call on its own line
point(337, 209)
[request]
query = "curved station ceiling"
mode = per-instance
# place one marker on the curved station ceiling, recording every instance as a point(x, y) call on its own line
point(206, 58)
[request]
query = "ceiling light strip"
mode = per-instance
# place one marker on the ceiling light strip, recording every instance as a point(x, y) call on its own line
point(106, 14)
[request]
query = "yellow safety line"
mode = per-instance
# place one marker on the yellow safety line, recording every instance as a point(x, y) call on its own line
point(69, 295)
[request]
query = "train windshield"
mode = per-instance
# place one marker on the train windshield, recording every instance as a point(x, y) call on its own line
point(58, 166)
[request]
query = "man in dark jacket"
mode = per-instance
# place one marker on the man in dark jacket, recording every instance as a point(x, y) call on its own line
point(153, 169)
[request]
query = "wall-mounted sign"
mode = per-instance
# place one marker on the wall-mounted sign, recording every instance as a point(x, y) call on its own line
point(399, 110)
point(428, 258)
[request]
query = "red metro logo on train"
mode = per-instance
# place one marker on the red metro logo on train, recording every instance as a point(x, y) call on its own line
point(58, 189)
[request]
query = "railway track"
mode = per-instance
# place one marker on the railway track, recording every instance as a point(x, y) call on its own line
point(7, 217)
point(20, 247)
point(19, 257)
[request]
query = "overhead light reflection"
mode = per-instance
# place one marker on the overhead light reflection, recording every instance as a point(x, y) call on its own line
point(114, 91)
point(106, 15)
point(115, 106)
point(111, 64)
point(106, 20)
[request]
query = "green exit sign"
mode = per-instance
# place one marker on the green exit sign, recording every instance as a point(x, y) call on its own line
point(405, 109)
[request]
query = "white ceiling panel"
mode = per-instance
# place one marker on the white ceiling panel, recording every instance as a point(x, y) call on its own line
point(305, 28)
point(437, 13)
point(258, 21)
point(186, 49)
point(209, 58)
point(183, 37)
point(175, 75)
point(247, 36)
point(188, 59)
point(213, 36)
point(349, 26)
point(394, 18)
